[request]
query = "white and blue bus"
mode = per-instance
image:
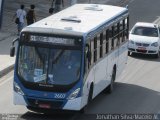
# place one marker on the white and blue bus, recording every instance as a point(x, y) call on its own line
point(67, 59)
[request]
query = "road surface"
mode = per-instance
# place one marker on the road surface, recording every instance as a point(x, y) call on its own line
point(136, 91)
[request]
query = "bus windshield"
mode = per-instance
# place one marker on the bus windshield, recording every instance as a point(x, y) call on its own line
point(48, 65)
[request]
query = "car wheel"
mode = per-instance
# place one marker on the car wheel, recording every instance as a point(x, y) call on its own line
point(129, 53)
point(157, 55)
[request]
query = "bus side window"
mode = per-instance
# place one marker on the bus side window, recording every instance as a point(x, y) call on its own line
point(112, 37)
point(115, 35)
point(95, 49)
point(124, 31)
point(92, 51)
point(104, 43)
point(127, 28)
point(118, 35)
point(101, 45)
point(98, 46)
point(121, 32)
point(107, 40)
point(87, 57)
point(110, 40)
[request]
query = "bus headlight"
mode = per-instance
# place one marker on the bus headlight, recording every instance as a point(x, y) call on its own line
point(155, 44)
point(74, 94)
point(18, 89)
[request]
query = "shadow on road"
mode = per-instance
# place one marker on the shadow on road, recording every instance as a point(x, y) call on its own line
point(145, 57)
point(125, 99)
point(49, 116)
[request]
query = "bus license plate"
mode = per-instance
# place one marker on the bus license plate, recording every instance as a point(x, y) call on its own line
point(44, 106)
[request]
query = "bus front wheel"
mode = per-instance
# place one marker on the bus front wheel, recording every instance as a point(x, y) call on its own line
point(157, 55)
point(89, 99)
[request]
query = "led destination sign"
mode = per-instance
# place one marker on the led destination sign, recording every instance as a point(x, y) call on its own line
point(52, 40)
point(55, 40)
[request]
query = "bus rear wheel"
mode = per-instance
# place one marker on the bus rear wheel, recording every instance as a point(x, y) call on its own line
point(110, 88)
point(157, 55)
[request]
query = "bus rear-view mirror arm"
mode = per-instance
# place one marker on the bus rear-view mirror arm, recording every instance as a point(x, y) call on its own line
point(12, 49)
point(89, 56)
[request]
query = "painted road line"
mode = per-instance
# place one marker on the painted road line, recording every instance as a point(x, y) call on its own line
point(157, 21)
point(6, 78)
point(125, 2)
point(5, 81)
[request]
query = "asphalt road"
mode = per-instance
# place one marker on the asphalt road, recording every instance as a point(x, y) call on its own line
point(136, 91)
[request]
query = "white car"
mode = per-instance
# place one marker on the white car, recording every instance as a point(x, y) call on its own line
point(144, 38)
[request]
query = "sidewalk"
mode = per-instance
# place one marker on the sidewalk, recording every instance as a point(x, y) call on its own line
point(9, 29)
point(6, 62)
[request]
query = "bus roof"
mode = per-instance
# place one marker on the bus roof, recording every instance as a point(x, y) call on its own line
point(79, 19)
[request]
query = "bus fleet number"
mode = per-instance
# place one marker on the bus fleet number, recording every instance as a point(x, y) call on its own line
point(60, 96)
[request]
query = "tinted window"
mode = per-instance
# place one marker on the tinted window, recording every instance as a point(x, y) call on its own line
point(49, 66)
point(145, 31)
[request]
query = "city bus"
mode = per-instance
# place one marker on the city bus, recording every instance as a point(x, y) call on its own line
point(67, 59)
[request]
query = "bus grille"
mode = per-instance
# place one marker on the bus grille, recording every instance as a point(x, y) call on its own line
point(53, 104)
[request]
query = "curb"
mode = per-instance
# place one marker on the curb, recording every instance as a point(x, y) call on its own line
point(6, 70)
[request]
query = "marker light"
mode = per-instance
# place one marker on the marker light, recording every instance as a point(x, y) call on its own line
point(18, 89)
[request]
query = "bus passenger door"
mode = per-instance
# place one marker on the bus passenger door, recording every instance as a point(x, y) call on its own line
point(89, 71)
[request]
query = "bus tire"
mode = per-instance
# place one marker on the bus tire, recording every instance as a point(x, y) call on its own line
point(90, 94)
point(89, 99)
point(110, 88)
point(33, 109)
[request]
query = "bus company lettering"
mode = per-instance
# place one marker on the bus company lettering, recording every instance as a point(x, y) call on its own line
point(43, 85)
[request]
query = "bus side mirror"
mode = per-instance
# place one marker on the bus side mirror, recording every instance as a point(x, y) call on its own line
point(12, 51)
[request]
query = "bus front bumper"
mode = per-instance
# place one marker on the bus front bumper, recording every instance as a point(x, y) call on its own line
point(40, 103)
